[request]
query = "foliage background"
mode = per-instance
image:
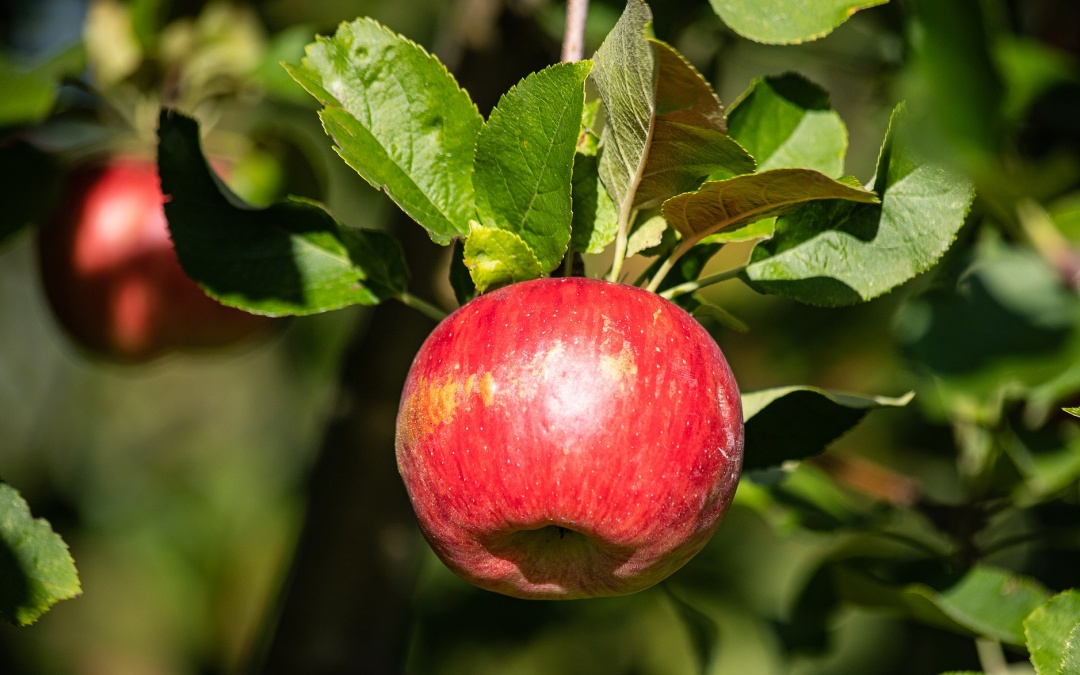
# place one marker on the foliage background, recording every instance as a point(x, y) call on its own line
point(184, 487)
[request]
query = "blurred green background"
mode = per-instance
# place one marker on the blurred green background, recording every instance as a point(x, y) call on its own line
point(239, 511)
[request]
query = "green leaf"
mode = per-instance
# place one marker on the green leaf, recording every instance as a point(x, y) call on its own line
point(842, 253)
point(786, 121)
point(727, 204)
point(498, 258)
point(624, 76)
point(796, 422)
point(647, 234)
point(29, 91)
point(785, 22)
point(525, 157)
point(988, 601)
point(399, 119)
point(1052, 631)
point(688, 140)
point(290, 258)
point(1007, 317)
point(36, 569)
point(759, 229)
point(963, 87)
point(703, 629)
point(595, 221)
point(1075, 412)
point(1070, 664)
point(664, 128)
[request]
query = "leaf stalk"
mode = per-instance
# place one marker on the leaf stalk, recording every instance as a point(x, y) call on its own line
point(423, 306)
point(691, 286)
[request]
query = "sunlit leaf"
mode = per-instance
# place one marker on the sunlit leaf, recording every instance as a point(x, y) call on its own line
point(595, 220)
point(1052, 631)
point(784, 22)
point(624, 76)
point(689, 139)
point(290, 258)
point(36, 570)
point(499, 257)
point(796, 422)
point(987, 601)
point(786, 121)
point(727, 204)
point(647, 234)
point(664, 128)
point(525, 156)
point(29, 90)
point(759, 229)
point(399, 119)
point(841, 253)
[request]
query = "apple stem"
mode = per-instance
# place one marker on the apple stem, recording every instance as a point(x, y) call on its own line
point(423, 306)
point(573, 47)
point(691, 286)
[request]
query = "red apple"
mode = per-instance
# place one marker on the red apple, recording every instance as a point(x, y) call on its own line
point(111, 274)
point(569, 438)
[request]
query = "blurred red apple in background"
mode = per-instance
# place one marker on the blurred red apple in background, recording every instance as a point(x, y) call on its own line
point(111, 274)
point(568, 438)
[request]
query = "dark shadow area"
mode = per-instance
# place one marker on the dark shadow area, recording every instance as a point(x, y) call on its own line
point(15, 591)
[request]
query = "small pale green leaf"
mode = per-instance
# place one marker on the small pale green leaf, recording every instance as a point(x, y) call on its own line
point(647, 234)
point(399, 119)
point(688, 140)
point(840, 253)
point(759, 229)
point(36, 569)
point(795, 422)
point(290, 258)
point(786, 121)
point(727, 204)
point(988, 601)
point(525, 158)
point(1048, 630)
point(785, 22)
point(1075, 412)
point(595, 220)
point(498, 258)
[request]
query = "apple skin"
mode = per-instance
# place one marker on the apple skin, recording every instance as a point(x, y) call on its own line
point(569, 438)
point(112, 277)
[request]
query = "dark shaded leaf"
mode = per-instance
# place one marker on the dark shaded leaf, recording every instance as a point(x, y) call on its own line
point(793, 423)
point(290, 258)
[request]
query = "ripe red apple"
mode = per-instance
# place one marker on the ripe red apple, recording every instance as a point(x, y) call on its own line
point(111, 274)
point(569, 438)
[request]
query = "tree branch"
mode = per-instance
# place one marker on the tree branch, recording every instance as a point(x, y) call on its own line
point(573, 48)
